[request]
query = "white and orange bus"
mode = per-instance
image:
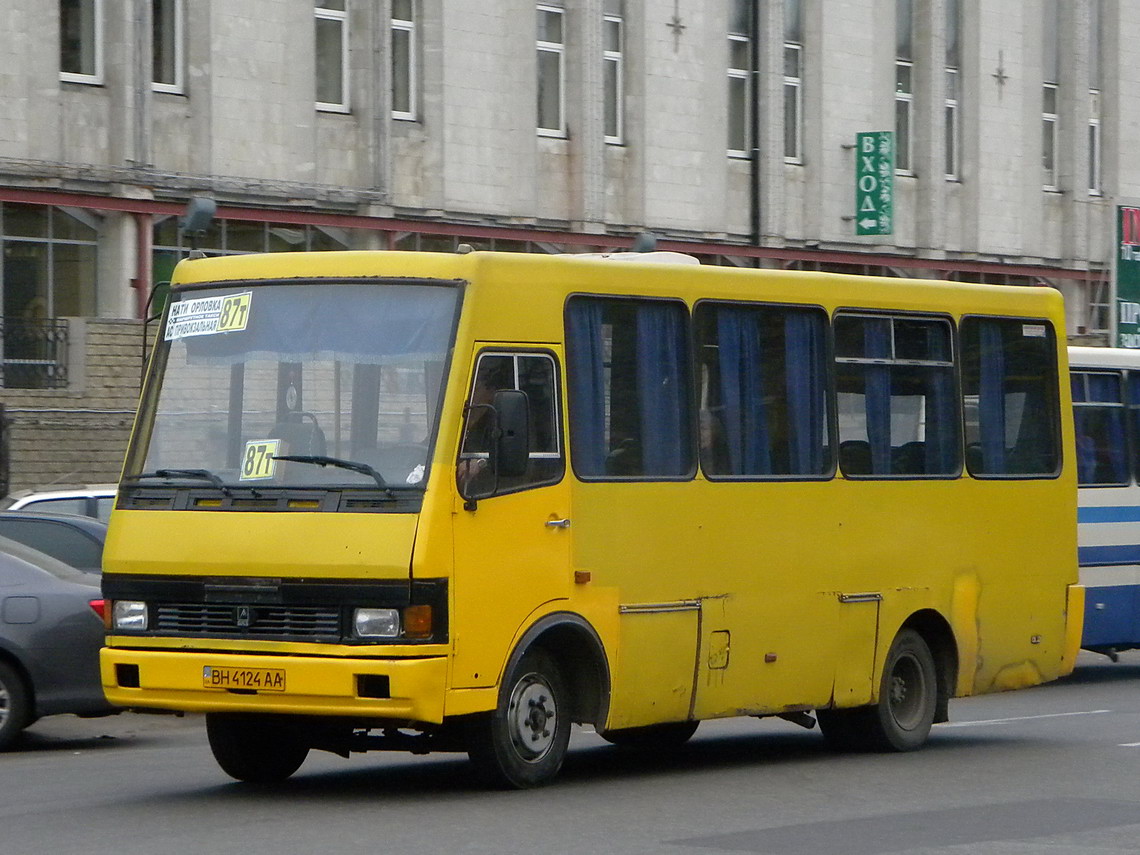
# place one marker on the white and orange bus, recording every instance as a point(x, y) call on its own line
point(461, 501)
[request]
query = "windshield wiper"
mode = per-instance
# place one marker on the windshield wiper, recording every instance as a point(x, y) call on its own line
point(199, 474)
point(352, 465)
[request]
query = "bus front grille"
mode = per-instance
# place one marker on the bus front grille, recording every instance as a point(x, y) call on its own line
point(249, 621)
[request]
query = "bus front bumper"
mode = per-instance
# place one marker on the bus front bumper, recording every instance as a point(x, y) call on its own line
point(201, 681)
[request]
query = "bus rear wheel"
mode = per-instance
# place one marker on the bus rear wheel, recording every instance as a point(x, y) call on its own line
point(258, 749)
point(523, 742)
point(908, 696)
point(652, 737)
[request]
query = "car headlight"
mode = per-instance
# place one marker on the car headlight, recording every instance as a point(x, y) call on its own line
point(376, 623)
point(129, 615)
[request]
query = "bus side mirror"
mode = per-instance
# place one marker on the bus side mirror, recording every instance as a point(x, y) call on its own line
point(510, 455)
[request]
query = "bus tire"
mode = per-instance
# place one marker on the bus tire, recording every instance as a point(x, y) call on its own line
point(908, 696)
point(523, 742)
point(15, 705)
point(652, 737)
point(258, 749)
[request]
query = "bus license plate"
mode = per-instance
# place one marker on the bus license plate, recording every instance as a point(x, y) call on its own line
point(252, 679)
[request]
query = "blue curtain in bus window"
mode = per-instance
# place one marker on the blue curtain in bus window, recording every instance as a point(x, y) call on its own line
point(807, 392)
point(1133, 420)
point(991, 397)
point(586, 380)
point(742, 393)
point(662, 387)
point(1101, 443)
point(877, 344)
point(941, 422)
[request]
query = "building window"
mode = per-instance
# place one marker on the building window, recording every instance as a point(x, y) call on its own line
point(332, 55)
point(551, 72)
point(613, 32)
point(48, 272)
point(1095, 185)
point(904, 84)
point(403, 60)
point(166, 45)
point(1050, 61)
point(81, 41)
point(1095, 36)
point(793, 82)
point(952, 90)
point(952, 124)
point(1049, 135)
point(739, 80)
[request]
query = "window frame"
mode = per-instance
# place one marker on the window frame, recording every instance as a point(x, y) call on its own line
point(904, 107)
point(953, 365)
point(558, 49)
point(177, 46)
point(1096, 165)
point(953, 124)
point(616, 58)
point(559, 408)
point(95, 77)
point(1121, 377)
point(1050, 122)
point(1056, 432)
point(690, 398)
point(829, 422)
point(744, 109)
point(796, 86)
point(340, 15)
point(408, 26)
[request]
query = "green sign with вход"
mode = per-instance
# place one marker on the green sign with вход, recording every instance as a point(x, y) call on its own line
point(1128, 277)
point(875, 183)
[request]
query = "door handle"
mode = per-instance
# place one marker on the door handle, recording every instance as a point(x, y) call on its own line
point(558, 523)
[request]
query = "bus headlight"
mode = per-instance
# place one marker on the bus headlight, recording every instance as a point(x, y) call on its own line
point(129, 616)
point(376, 623)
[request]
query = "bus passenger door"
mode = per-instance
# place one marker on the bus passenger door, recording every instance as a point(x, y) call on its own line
point(512, 540)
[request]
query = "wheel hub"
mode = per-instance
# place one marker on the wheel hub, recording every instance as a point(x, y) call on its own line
point(533, 718)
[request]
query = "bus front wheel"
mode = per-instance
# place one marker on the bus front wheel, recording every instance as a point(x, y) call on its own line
point(523, 742)
point(258, 749)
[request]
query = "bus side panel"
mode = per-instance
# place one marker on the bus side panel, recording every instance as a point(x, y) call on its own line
point(653, 681)
point(1109, 550)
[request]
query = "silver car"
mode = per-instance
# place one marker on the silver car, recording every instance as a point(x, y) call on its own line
point(51, 629)
point(94, 500)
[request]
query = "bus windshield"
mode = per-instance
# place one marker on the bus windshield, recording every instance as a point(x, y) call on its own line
point(298, 385)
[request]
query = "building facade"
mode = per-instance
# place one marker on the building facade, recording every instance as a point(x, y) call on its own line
point(727, 128)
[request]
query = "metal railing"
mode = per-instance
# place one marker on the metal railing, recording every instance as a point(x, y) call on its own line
point(33, 354)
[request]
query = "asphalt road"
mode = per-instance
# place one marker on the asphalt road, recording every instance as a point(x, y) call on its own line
point(1052, 770)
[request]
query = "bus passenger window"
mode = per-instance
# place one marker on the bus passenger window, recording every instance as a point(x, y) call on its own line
point(631, 412)
point(1098, 417)
point(898, 413)
point(536, 375)
point(764, 403)
point(1009, 382)
point(1133, 389)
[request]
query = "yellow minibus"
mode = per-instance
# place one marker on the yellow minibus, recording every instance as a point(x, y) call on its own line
point(460, 502)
